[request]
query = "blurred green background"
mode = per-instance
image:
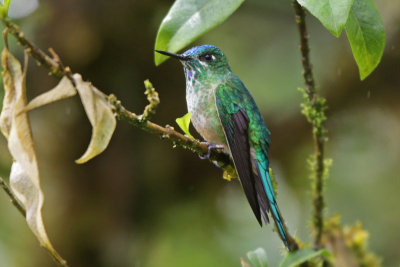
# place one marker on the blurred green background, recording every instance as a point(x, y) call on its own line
point(144, 203)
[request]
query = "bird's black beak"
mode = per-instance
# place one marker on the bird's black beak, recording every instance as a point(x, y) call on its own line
point(177, 56)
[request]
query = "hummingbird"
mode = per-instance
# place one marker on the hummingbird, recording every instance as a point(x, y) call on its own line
point(225, 114)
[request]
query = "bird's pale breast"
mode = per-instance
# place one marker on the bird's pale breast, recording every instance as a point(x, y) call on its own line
point(204, 116)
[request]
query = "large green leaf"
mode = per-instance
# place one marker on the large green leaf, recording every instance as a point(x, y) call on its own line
point(364, 29)
point(296, 258)
point(187, 20)
point(332, 13)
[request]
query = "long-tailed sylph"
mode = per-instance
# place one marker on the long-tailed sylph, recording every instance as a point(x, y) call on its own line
point(225, 114)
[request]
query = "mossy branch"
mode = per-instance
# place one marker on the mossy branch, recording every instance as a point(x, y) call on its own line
point(313, 108)
point(58, 70)
point(154, 100)
point(166, 132)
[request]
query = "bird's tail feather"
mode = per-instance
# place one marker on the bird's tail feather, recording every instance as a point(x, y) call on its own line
point(271, 204)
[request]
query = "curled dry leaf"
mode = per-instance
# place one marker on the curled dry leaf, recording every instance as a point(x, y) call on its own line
point(14, 123)
point(12, 77)
point(100, 115)
point(64, 89)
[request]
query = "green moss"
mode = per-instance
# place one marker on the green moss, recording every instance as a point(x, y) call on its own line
point(349, 243)
point(314, 111)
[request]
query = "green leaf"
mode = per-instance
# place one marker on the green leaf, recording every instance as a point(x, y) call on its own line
point(258, 258)
point(298, 257)
point(183, 123)
point(332, 13)
point(4, 8)
point(364, 29)
point(187, 20)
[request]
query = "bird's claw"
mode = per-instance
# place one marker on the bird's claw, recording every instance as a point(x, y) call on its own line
point(210, 147)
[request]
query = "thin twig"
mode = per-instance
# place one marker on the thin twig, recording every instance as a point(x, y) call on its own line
point(154, 100)
point(318, 129)
point(54, 64)
point(166, 132)
point(38, 54)
point(305, 50)
point(13, 198)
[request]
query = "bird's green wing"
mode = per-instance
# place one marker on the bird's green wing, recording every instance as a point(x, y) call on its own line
point(235, 123)
point(248, 140)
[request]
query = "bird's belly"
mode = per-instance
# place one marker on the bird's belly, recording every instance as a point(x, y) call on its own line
point(209, 127)
point(205, 119)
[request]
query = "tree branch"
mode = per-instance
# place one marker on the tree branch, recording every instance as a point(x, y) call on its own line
point(166, 132)
point(58, 70)
point(313, 109)
point(42, 58)
point(13, 198)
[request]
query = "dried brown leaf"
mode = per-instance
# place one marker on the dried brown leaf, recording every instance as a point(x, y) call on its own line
point(24, 177)
point(100, 115)
point(63, 89)
point(12, 76)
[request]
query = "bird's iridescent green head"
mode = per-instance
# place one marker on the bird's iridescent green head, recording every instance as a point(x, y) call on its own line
point(202, 59)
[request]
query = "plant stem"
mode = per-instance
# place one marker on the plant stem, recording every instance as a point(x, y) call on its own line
point(13, 198)
point(318, 128)
point(58, 70)
point(166, 132)
point(54, 254)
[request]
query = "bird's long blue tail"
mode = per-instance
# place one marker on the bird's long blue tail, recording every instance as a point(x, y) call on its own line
point(269, 190)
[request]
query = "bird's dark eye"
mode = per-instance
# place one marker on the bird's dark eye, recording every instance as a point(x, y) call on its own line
point(207, 57)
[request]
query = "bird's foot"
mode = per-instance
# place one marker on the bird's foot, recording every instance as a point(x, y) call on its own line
point(210, 147)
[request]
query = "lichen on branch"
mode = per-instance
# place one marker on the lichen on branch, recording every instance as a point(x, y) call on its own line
point(154, 100)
